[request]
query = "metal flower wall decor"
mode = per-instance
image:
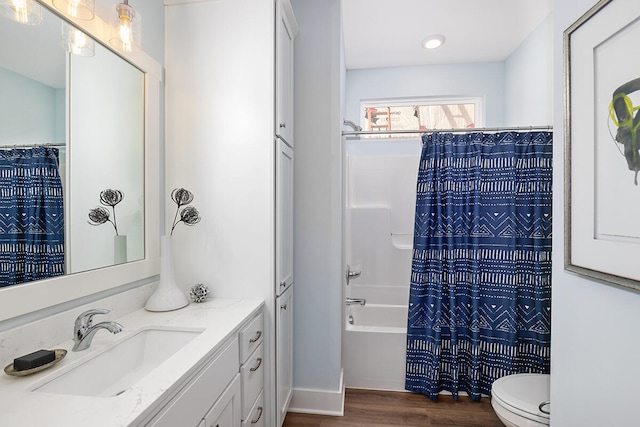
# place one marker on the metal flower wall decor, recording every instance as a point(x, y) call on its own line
point(188, 215)
point(101, 215)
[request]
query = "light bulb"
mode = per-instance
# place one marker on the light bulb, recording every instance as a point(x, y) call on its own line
point(79, 9)
point(126, 36)
point(77, 42)
point(21, 10)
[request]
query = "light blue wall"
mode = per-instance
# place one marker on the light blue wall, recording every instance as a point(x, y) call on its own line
point(595, 326)
point(528, 77)
point(318, 200)
point(484, 80)
point(26, 102)
point(152, 12)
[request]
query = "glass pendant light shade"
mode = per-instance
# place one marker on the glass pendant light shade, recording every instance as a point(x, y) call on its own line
point(76, 42)
point(79, 9)
point(26, 12)
point(126, 28)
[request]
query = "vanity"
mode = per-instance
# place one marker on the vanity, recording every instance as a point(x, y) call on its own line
point(210, 375)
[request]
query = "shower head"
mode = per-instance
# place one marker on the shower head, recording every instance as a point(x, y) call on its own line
point(353, 126)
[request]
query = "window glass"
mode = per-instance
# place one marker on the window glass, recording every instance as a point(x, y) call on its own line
point(420, 114)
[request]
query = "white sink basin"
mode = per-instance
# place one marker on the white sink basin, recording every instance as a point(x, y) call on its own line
point(120, 366)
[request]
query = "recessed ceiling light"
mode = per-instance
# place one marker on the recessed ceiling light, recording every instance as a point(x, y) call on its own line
point(433, 41)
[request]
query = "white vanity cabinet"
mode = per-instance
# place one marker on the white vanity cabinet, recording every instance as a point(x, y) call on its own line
point(194, 401)
point(227, 391)
point(252, 372)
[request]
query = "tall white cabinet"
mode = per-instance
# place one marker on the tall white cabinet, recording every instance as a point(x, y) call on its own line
point(286, 31)
point(229, 140)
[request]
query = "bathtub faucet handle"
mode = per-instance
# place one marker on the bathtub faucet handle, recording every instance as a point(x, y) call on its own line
point(352, 301)
point(351, 274)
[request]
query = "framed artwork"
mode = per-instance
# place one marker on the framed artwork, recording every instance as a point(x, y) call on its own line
point(602, 153)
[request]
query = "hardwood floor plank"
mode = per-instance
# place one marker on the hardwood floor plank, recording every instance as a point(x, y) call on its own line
point(374, 408)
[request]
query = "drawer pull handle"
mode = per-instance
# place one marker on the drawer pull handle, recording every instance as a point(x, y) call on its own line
point(255, 368)
point(259, 416)
point(257, 337)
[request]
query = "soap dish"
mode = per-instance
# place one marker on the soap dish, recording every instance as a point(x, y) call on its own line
point(60, 354)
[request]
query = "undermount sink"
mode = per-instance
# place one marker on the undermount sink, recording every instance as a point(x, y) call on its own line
point(120, 366)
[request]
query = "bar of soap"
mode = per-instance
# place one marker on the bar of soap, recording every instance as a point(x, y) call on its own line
point(33, 360)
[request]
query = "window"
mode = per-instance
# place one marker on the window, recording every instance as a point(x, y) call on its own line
point(423, 114)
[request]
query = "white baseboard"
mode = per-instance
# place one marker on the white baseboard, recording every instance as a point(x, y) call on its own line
point(319, 402)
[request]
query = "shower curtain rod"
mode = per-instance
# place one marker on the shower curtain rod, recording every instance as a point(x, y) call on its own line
point(9, 147)
point(453, 130)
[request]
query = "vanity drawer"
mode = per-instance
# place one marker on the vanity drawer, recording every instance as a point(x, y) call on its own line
point(256, 416)
point(252, 374)
point(195, 399)
point(251, 337)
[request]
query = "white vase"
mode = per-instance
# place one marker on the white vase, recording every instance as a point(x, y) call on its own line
point(119, 249)
point(167, 296)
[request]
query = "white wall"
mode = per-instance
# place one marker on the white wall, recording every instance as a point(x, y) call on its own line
point(318, 198)
point(106, 150)
point(595, 339)
point(528, 76)
point(484, 80)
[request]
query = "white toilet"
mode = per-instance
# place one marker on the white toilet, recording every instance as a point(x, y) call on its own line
point(522, 400)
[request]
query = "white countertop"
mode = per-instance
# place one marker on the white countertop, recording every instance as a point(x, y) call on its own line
point(21, 407)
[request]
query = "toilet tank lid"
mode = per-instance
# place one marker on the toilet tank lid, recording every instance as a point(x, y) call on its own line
point(523, 391)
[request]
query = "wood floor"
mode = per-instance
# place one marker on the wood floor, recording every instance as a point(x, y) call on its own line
point(372, 408)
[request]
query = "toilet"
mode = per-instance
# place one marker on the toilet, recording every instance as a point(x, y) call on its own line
point(521, 400)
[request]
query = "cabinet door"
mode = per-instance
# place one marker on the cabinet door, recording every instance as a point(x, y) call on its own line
point(286, 29)
point(284, 353)
point(226, 411)
point(284, 217)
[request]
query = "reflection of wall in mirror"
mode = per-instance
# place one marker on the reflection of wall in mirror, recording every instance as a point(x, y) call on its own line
point(106, 148)
point(30, 112)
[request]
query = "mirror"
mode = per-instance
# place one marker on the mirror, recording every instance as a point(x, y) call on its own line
point(91, 111)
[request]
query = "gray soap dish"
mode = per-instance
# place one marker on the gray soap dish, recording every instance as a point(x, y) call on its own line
point(10, 370)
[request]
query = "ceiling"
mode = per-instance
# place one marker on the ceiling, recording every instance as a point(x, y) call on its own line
point(388, 33)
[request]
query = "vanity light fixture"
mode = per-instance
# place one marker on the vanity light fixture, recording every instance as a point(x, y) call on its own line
point(433, 42)
point(79, 9)
point(76, 42)
point(26, 12)
point(126, 27)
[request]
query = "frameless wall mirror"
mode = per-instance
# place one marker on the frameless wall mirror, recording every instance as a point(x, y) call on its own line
point(79, 129)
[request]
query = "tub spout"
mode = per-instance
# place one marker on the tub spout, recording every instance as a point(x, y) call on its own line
point(352, 301)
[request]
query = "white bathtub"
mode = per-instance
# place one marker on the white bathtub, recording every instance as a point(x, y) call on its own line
point(377, 318)
point(374, 346)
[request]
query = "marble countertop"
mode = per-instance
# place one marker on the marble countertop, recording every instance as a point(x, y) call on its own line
point(219, 319)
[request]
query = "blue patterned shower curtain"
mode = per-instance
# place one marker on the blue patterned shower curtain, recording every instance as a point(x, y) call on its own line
point(480, 299)
point(31, 215)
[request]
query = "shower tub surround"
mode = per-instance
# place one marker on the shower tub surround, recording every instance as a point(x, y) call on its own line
point(220, 321)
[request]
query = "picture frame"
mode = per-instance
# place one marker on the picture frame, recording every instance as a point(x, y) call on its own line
point(602, 144)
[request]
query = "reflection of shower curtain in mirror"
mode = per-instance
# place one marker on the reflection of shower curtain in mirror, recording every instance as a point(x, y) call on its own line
point(31, 215)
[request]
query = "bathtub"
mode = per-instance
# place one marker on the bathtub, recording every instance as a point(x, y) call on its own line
point(374, 346)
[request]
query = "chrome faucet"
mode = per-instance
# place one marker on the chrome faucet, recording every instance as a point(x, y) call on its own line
point(84, 329)
point(351, 301)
